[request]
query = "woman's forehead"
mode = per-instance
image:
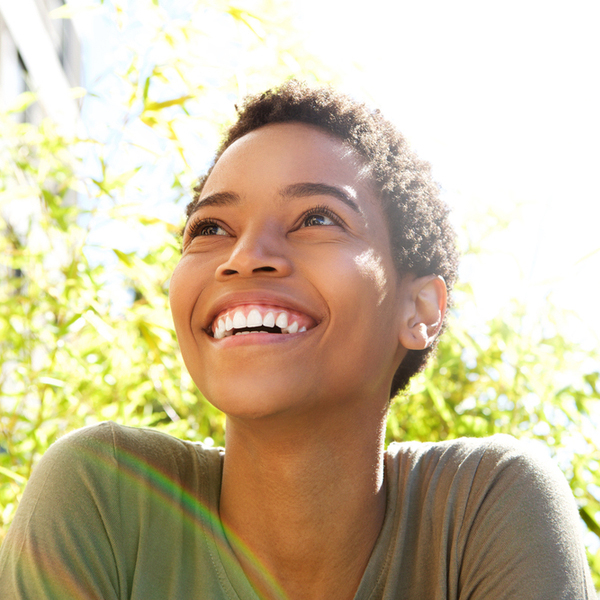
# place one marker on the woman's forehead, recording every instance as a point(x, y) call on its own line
point(285, 153)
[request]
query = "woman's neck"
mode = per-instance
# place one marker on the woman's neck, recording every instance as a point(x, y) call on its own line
point(307, 499)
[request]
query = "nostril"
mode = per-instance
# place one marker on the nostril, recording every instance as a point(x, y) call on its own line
point(267, 269)
point(229, 272)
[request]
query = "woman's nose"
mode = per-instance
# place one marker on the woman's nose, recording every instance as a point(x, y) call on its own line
point(256, 253)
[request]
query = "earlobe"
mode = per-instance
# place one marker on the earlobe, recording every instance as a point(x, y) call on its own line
point(424, 312)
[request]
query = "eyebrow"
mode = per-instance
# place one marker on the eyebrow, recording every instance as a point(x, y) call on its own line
point(217, 199)
point(302, 190)
point(295, 190)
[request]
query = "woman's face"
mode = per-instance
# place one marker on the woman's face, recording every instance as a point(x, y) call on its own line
point(286, 297)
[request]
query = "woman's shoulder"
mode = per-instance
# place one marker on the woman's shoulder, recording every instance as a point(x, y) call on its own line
point(496, 452)
point(501, 507)
point(471, 467)
point(109, 466)
point(95, 495)
point(111, 437)
point(109, 450)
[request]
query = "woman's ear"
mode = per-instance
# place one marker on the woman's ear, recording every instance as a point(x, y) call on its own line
point(423, 312)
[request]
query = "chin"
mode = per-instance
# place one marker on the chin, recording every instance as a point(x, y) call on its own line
point(251, 407)
point(253, 400)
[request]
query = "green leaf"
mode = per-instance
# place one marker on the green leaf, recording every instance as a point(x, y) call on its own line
point(146, 89)
point(22, 102)
point(591, 523)
point(18, 478)
point(155, 106)
point(127, 259)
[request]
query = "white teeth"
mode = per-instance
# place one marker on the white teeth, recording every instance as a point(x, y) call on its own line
point(225, 325)
point(282, 321)
point(293, 328)
point(239, 320)
point(254, 319)
point(219, 331)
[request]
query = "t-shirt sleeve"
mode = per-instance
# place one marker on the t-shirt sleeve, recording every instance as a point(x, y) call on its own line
point(61, 542)
point(521, 531)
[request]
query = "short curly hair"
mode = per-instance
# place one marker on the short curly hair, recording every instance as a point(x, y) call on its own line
point(422, 239)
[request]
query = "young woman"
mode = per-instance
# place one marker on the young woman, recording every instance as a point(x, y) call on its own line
point(312, 285)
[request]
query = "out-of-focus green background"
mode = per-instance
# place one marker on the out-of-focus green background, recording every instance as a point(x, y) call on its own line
point(90, 219)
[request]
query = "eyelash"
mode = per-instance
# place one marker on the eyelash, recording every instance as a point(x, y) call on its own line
point(322, 210)
point(196, 227)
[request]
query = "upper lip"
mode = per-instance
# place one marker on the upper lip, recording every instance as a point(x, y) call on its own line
point(276, 299)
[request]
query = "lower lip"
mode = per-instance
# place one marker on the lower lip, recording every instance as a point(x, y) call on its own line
point(258, 338)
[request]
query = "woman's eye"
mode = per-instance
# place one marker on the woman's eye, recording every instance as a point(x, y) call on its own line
point(212, 230)
point(204, 227)
point(313, 220)
point(320, 218)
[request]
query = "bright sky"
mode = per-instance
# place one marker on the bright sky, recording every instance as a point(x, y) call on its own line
point(503, 99)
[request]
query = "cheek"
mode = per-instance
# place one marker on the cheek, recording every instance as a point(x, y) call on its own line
point(360, 287)
point(182, 294)
point(371, 267)
point(373, 304)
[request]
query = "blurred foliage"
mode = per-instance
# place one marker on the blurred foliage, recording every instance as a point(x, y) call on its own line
point(85, 330)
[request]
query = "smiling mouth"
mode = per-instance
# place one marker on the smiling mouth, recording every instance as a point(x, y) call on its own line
point(243, 320)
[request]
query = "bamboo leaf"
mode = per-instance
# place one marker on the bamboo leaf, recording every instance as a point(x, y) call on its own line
point(18, 478)
point(155, 106)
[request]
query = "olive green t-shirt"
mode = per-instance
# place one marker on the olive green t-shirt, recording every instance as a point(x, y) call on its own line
point(114, 512)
